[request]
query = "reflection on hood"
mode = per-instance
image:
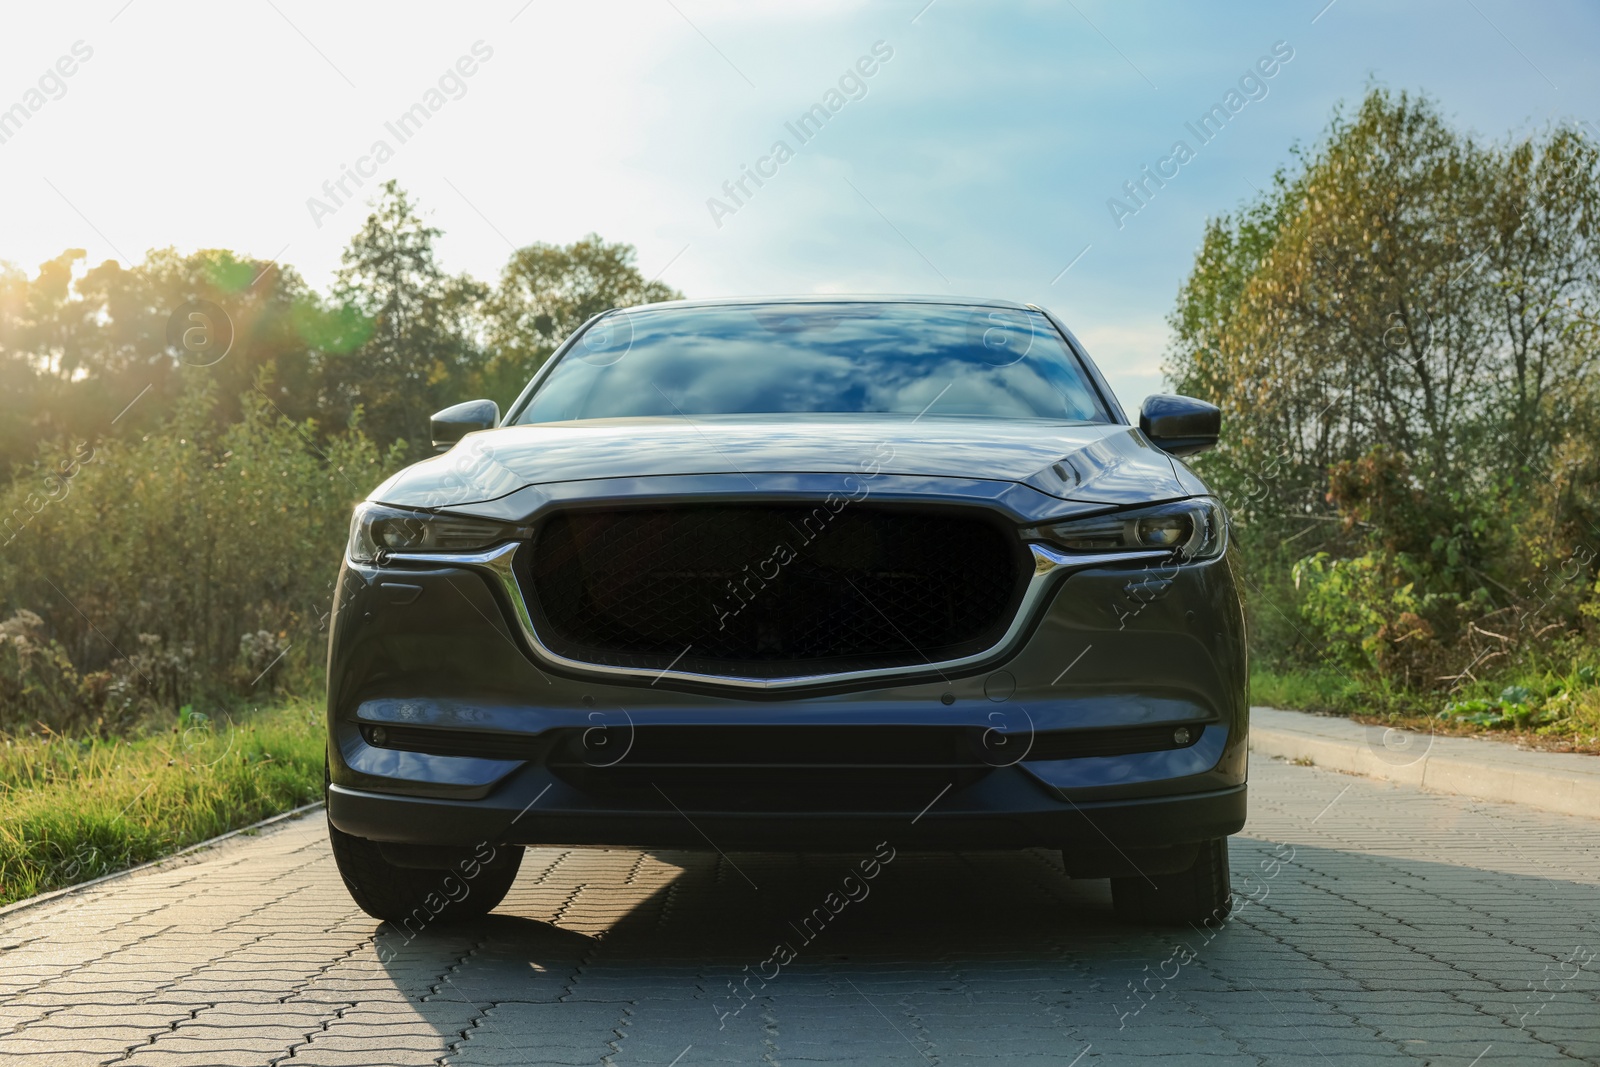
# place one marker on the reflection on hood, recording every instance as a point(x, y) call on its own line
point(1101, 462)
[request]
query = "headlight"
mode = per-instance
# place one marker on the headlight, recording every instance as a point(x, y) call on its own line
point(1192, 529)
point(376, 530)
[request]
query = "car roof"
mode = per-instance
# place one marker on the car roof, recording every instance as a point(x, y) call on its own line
point(835, 298)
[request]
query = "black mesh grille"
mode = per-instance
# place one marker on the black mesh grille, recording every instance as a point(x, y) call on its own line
point(773, 590)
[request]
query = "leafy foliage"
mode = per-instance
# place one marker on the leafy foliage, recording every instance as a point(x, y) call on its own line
point(1401, 334)
point(170, 532)
point(417, 340)
point(165, 558)
point(546, 292)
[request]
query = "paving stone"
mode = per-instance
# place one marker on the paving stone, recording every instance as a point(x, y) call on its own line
point(1404, 928)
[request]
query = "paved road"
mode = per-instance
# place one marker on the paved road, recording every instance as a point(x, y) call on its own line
point(1385, 925)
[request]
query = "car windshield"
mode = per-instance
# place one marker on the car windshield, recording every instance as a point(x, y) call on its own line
point(903, 358)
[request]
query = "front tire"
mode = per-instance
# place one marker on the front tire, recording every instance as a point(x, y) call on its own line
point(1193, 896)
point(415, 896)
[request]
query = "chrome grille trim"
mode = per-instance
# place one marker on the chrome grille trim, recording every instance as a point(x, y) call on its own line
point(1049, 565)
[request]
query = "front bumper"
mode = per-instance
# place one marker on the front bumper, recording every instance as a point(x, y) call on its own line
point(472, 714)
point(1006, 811)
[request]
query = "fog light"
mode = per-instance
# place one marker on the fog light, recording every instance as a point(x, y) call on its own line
point(1180, 736)
point(377, 735)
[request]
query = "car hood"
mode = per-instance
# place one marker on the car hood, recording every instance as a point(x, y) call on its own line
point(1089, 462)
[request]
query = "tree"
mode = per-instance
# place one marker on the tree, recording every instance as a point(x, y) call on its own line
point(1400, 333)
point(1408, 288)
point(546, 292)
point(396, 339)
point(79, 344)
point(422, 346)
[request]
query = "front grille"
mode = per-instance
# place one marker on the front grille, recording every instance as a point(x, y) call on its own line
point(774, 590)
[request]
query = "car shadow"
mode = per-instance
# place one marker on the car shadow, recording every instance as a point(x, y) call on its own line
point(649, 951)
point(693, 933)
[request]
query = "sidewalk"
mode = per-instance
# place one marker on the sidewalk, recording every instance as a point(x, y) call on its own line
point(1468, 766)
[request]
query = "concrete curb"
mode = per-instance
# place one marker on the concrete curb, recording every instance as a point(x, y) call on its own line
point(1466, 766)
point(199, 846)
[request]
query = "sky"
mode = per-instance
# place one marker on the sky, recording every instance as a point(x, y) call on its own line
point(981, 156)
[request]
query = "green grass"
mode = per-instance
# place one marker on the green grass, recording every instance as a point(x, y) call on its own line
point(74, 809)
point(1547, 705)
point(1340, 692)
point(1304, 690)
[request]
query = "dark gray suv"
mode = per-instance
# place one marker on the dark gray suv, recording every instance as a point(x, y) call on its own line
point(778, 574)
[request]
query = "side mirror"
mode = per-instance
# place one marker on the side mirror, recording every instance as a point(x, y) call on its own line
point(455, 422)
point(1180, 425)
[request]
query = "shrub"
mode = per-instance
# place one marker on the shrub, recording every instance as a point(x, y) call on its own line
point(195, 563)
